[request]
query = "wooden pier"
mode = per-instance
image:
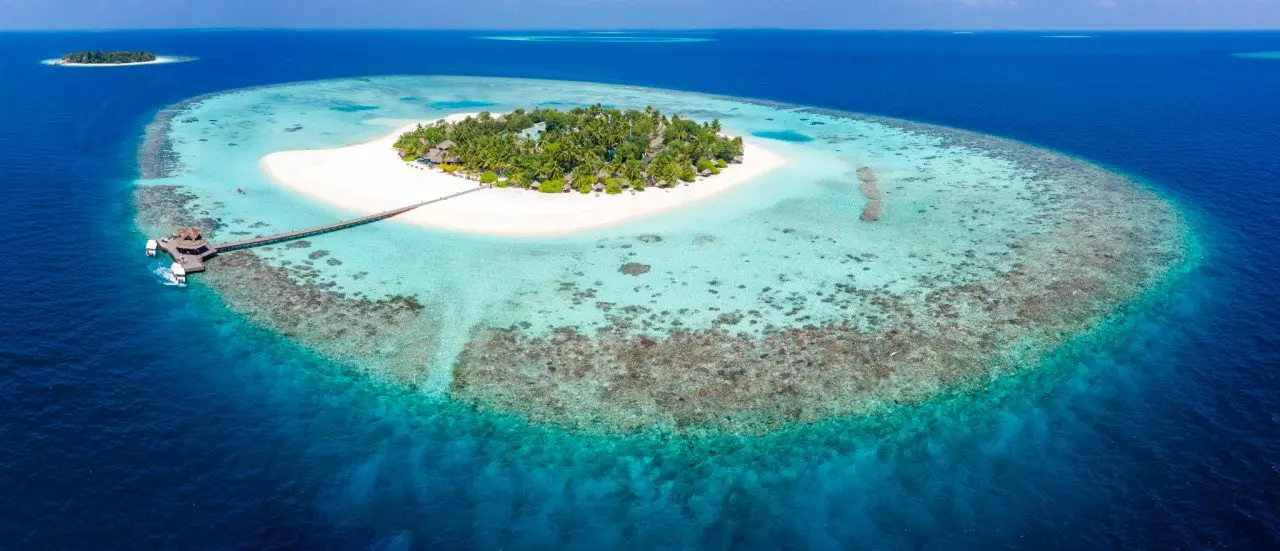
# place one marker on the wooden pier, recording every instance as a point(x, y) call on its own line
point(190, 251)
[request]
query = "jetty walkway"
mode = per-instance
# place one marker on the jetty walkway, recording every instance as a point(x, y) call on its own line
point(190, 251)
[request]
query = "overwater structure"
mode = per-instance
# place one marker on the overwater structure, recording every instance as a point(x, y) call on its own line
point(190, 251)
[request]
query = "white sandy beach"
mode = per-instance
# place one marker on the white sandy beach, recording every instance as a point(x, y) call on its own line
point(369, 178)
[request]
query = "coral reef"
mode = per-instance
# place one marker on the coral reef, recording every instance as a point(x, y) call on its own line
point(830, 325)
point(1103, 239)
point(387, 338)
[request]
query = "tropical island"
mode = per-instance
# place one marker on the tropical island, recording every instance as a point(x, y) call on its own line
point(100, 57)
point(751, 300)
point(593, 152)
point(584, 149)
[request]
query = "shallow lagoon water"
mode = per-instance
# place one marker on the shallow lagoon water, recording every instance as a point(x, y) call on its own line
point(875, 231)
point(784, 136)
point(461, 104)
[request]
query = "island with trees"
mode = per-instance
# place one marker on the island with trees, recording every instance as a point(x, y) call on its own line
point(100, 57)
point(584, 149)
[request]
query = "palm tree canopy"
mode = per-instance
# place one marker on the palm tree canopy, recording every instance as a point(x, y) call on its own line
point(595, 141)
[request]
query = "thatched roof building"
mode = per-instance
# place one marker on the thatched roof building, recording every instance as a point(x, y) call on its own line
point(191, 241)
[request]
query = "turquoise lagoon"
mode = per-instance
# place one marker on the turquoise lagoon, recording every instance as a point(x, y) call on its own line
point(784, 136)
point(461, 104)
point(775, 303)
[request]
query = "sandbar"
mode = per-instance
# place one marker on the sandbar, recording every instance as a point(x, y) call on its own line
point(369, 177)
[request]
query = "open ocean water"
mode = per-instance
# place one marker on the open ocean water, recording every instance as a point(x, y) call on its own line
point(134, 415)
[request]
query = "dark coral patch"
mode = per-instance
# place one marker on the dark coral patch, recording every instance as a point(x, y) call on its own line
point(634, 268)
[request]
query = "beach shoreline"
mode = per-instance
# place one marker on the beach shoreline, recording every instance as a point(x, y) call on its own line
point(368, 177)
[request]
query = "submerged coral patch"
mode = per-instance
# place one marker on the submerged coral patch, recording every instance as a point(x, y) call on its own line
point(634, 268)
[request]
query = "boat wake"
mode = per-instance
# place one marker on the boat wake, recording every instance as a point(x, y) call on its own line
point(165, 276)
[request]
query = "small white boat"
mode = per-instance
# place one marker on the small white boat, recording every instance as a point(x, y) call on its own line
point(179, 273)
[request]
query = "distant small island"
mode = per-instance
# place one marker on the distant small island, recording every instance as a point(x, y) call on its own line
point(584, 149)
point(100, 57)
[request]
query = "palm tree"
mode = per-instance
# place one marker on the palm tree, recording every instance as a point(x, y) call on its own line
point(631, 170)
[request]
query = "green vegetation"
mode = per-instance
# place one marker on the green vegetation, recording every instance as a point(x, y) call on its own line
point(555, 185)
point(581, 147)
point(101, 57)
point(489, 177)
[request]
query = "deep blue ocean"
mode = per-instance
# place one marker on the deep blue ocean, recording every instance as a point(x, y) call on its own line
point(1164, 436)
